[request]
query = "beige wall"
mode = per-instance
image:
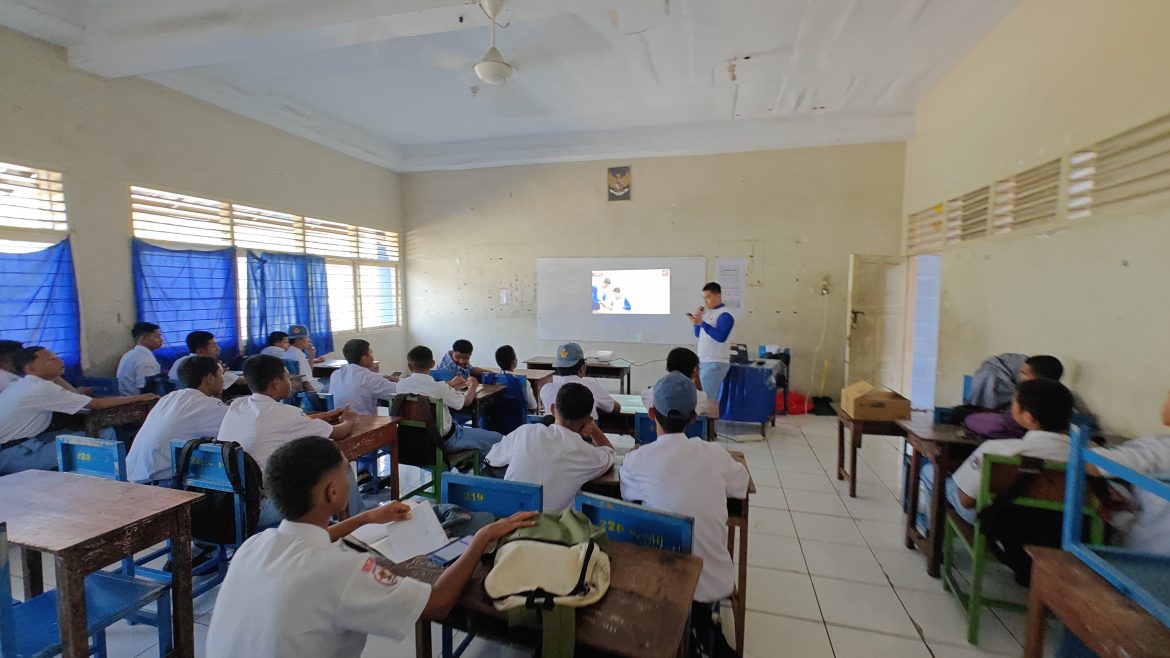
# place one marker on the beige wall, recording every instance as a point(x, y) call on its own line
point(108, 134)
point(1054, 76)
point(796, 214)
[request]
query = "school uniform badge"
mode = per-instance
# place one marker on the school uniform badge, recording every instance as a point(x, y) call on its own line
point(381, 574)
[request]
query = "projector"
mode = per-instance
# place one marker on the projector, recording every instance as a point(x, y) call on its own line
point(604, 356)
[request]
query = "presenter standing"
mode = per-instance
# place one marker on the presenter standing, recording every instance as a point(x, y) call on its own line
point(713, 326)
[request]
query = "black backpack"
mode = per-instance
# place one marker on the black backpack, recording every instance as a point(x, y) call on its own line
point(213, 518)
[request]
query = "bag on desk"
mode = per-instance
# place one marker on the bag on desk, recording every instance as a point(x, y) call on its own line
point(213, 518)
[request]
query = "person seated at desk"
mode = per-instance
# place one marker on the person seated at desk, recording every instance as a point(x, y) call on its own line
point(556, 456)
point(8, 373)
point(569, 364)
point(201, 343)
point(1001, 425)
point(420, 360)
point(355, 384)
point(458, 360)
point(260, 423)
point(507, 361)
point(278, 344)
point(693, 478)
point(300, 349)
point(296, 591)
point(685, 361)
point(140, 364)
point(27, 406)
point(192, 412)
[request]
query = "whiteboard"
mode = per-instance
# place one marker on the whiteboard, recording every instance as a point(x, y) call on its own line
point(564, 305)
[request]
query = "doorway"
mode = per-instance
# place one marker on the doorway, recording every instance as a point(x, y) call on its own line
point(922, 322)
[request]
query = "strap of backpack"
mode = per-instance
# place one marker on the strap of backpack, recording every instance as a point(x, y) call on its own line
point(990, 516)
point(185, 460)
point(228, 450)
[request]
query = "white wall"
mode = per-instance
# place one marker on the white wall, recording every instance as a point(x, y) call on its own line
point(1054, 76)
point(796, 214)
point(106, 135)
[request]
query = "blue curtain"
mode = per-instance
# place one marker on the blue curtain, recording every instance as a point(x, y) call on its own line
point(184, 290)
point(38, 302)
point(287, 289)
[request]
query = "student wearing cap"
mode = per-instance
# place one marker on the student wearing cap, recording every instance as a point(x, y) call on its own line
point(201, 343)
point(690, 477)
point(297, 591)
point(140, 364)
point(569, 364)
point(683, 360)
point(356, 384)
point(556, 456)
point(300, 349)
point(299, 338)
point(420, 360)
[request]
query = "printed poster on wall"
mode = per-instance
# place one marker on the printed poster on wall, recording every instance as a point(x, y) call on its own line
point(731, 275)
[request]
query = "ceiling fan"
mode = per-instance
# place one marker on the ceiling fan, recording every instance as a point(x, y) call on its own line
point(492, 69)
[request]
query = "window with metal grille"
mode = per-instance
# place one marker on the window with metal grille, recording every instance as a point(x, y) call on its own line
point(158, 215)
point(967, 216)
point(1129, 170)
point(378, 295)
point(1026, 199)
point(343, 296)
point(32, 199)
point(926, 230)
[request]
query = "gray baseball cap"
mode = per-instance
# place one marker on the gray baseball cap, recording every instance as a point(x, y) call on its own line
point(568, 355)
point(674, 396)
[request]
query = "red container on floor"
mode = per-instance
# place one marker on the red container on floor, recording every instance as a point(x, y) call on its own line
point(797, 403)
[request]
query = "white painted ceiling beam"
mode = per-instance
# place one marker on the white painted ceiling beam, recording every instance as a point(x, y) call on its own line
point(56, 21)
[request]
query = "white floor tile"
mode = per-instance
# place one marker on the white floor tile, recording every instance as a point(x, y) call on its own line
point(769, 636)
point(782, 593)
point(906, 569)
point(881, 535)
point(799, 465)
point(874, 505)
point(764, 520)
point(126, 641)
point(807, 482)
point(942, 650)
point(817, 503)
point(872, 607)
point(772, 497)
point(941, 619)
point(774, 552)
point(844, 562)
point(765, 477)
point(848, 642)
point(834, 529)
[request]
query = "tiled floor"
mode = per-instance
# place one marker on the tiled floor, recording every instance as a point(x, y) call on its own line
point(828, 576)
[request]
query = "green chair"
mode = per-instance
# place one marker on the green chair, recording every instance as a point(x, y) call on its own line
point(421, 444)
point(1044, 492)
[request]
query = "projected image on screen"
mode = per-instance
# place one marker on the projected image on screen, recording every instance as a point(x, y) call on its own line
point(631, 292)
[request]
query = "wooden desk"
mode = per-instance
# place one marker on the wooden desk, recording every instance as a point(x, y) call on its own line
point(609, 484)
point(483, 397)
point(1104, 619)
point(88, 523)
point(643, 614)
point(92, 422)
point(369, 434)
point(324, 369)
point(593, 368)
point(857, 428)
point(945, 446)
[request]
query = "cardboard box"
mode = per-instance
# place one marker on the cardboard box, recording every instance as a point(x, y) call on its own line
point(864, 401)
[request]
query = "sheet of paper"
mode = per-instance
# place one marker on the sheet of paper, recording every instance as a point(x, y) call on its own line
point(401, 540)
point(731, 275)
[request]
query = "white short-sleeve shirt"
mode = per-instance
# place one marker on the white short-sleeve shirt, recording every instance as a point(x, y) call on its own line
point(261, 425)
point(360, 388)
point(421, 383)
point(228, 378)
point(1150, 532)
point(1049, 446)
point(290, 593)
point(7, 378)
point(555, 457)
point(306, 370)
point(693, 478)
point(27, 406)
point(184, 414)
point(135, 367)
point(602, 400)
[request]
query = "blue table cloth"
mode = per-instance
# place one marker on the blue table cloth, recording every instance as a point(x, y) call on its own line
point(749, 392)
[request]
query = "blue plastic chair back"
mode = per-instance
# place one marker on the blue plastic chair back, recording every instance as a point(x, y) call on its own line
point(499, 497)
point(293, 367)
point(509, 408)
point(443, 375)
point(634, 524)
point(7, 626)
point(101, 386)
point(645, 431)
point(95, 457)
point(207, 470)
point(967, 381)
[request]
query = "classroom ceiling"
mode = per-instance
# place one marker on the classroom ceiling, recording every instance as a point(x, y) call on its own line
point(390, 81)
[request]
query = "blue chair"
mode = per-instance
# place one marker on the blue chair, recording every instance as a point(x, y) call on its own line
point(30, 628)
point(645, 431)
point(101, 386)
point(634, 524)
point(159, 384)
point(95, 457)
point(508, 409)
point(443, 375)
point(477, 493)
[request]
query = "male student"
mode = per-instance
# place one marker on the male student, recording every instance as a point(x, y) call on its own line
point(569, 364)
point(296, 592)
point(27, 406)
point(421, 360)
point(689, 477)
point(356, 384)
point(201, 343)
point(278, 344)
point(299, 350)
point(556, 456)
point(188, 413)
point(8, 373)
point(506, 360)
point(139, 363)
point(713, 325)
point(458, 360)
point(298, 337)
point(683, 360)
point(996, 425)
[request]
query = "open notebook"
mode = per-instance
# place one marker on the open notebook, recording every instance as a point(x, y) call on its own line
point(401, 540)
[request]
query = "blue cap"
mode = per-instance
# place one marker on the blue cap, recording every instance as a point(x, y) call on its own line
point(298, 331)
point(674, 396)
point(568, 355)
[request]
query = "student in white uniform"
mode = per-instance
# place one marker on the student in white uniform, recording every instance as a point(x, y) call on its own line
point(690, 477)
point(296, 592)
point(8, 349)
point(569, 364)
point(507, 361)
point(1041, 406)
point(139, 364)
point(355, 384)
point(300, 349)
point(562, 457)
point(201, 343)
point(189, 413)
point(260, 423)
point(27, 406)
point(683, 360)
point(421, 360)
point(278, 344)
